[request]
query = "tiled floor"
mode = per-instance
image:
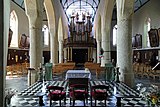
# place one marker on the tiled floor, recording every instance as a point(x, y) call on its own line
point(26, 96)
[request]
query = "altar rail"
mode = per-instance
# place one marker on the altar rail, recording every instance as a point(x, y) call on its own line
point(70, 41)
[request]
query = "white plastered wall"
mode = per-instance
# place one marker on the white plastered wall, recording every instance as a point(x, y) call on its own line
point(149, 10)
point(23, 23)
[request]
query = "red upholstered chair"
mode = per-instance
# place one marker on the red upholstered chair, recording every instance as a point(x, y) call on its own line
point(56, 93)
point(99, 92)
point(78, 92)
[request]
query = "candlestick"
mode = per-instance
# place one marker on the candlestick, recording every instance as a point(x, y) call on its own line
point(40, 65)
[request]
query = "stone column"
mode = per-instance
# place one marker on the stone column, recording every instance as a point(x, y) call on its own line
point(60, 51)
point(53, 46)
point(98, 38)
point(124, 41)
point(98, 51)
point(34, 10)
point(65, 55)
point(52, 23)
point(4, 28)
point(60, 40)
point(105, 46)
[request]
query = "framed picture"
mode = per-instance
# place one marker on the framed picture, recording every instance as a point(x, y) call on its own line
point(27, 45)
point(138, 40)
point(24, 42)
point(10, 37)
point(134, 42)
point(159, 34)
point(153, 38)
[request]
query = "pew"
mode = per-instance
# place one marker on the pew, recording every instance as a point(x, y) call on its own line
point(94, 66)
point(61, 67)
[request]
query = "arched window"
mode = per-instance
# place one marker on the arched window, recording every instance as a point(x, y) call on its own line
point(14, 28)
point(148, 29)
point(114, 35)
point(45, 36)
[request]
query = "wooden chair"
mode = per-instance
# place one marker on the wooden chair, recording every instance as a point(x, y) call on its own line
point(56, 93)
point(140, 70)
point(17, 69)
point(99, 92)
point(135, 68)
point(78, 92)
point(25, 67)
point(146, 71)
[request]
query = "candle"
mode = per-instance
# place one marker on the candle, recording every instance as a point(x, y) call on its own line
point(40, 65)
point(42, 60)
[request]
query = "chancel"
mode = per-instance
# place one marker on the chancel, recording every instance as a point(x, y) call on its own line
point(79, 53)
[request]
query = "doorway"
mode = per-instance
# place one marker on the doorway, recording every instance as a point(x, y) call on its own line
point(80, 56)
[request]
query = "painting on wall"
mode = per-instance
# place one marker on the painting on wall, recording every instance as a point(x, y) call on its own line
point(10, 37)
point(159, 34)
point(153, 38)
point(138, 40)
point(134, 42)
point(24, 42)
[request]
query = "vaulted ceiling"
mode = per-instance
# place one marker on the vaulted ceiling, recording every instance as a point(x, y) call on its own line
point(80, 6)
point(89, 6)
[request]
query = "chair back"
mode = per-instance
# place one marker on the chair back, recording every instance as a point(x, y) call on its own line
point(56, 92)
point(99, 92)
point(79, 91)
point(52, 88)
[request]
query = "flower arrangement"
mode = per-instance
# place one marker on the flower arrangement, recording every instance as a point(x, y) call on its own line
point(151, 94)
point(9, 93)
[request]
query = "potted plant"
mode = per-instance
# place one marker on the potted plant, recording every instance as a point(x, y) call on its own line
point(151, 94)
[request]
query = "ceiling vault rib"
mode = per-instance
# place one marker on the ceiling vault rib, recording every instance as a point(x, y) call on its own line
point(93, 4)
point(141, 5)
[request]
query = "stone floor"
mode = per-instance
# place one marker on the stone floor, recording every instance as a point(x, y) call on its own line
point(20, 84)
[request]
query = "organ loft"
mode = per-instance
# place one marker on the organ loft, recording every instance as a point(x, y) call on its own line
point(80, 42)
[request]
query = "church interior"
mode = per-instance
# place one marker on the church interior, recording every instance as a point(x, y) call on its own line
point(80, 53)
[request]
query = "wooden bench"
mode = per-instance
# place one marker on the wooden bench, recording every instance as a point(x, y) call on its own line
point(59, 68)
point(94, 66)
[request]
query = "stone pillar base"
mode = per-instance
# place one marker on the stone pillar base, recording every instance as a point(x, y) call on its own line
point(128, 79)
point(32, 76)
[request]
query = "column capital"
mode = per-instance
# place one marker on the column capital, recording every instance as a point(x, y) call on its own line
point(125, 8)
point(33, 7)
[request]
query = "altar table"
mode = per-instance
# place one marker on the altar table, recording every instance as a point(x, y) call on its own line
point(78, 77)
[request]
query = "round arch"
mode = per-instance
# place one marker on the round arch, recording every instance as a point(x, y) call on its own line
point(48, 4)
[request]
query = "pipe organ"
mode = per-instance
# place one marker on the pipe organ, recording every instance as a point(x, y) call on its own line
point(80, 30)
point(80, 35)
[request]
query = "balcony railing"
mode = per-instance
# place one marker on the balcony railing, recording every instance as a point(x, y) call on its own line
point(80, 42)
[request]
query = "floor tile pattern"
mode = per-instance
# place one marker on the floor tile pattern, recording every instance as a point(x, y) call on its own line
point(28, 96)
